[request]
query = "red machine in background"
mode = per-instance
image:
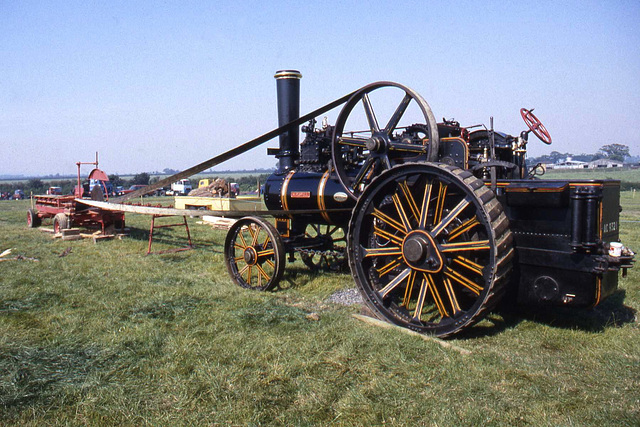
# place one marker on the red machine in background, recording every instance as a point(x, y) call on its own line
point(68, 210)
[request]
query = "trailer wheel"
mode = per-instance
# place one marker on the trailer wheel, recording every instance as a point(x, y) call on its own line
point(33, 220)
point(430, 248)
point(254, 254)
point(60, 222)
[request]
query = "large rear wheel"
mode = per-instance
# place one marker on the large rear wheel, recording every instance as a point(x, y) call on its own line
point(430, 248)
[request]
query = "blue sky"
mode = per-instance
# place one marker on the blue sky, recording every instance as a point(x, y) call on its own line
point(154, 85)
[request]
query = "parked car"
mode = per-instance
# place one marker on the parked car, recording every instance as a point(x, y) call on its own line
point(54, 191)
point(135, 187)
point(105, 186)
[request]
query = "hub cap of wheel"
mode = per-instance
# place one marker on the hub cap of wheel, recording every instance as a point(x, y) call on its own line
point(420, 252)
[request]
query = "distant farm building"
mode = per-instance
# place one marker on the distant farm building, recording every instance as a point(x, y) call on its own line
point(605, 163)
point(568, 164)
point(576, 164)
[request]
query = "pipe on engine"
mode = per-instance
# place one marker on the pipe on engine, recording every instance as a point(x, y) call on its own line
point(288, 92)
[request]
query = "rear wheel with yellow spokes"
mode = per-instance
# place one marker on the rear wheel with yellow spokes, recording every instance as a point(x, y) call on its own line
point(430, 248)
point(254, 254)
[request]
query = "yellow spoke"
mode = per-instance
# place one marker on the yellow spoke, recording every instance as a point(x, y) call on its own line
point(266, 252)
point(442, 194)
point(472, 286)
point(388, 220)
point(391, 250)
point(271, 264)
point(401, 213)
point(478, 245)
point(451, 216)
point(390, 266)
point(249, 276)
point(410, 200)
point(455, 307)
point(395, 282)
point(241, 272)
point(262, 272)
point(464, 227)
point(424, 212)
point(383, 233)
point(241, 236)
point(266, 242)
point(254, 236)
point(240, 258)
point(409, 289)
point(476, 268)
point(436, 297)
point(242, 248)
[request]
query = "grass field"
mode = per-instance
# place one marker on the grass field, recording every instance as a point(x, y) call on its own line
point(629, 178)
point(107, 336)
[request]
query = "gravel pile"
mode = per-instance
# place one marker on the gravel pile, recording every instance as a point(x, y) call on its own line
point(346, 297)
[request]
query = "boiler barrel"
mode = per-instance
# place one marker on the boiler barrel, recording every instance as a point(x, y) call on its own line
point(309, 191)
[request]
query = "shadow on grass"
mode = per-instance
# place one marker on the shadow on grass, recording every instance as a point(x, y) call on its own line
point(610, 314)
point(295, 277)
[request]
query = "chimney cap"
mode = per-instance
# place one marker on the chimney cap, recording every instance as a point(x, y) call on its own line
point(288, 74)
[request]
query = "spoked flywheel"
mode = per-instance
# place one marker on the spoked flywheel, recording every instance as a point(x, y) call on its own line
point(254, 254)
point(430, 248)
point(327, 253)
point(408, 134)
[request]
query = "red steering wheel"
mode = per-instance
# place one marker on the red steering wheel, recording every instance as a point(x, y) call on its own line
point(535, 125)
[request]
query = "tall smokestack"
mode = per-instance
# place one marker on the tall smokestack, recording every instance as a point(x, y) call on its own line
point(288, 89)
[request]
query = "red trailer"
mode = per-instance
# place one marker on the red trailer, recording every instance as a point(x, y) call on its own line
point(69, 210)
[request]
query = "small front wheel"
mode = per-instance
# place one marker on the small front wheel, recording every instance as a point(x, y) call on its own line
point(254, 254)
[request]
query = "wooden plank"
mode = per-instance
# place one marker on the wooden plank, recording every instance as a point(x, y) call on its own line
point(70, 232)
point(150, 210)
point(385, 325)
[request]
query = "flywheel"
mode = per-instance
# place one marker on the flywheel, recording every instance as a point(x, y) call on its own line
point(360, 155)
point(429, 248)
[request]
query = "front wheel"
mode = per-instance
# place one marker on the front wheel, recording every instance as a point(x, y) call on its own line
point(254, 254)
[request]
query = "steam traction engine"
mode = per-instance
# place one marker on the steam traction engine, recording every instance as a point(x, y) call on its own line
point(437, 221)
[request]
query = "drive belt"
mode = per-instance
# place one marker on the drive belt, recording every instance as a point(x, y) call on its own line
point(243, 148)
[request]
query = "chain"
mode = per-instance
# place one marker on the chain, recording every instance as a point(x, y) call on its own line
point(312, 252)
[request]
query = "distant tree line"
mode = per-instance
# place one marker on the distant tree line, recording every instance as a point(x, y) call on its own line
point(40, 186)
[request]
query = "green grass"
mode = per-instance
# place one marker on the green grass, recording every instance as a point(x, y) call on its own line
point(106, 335)
point(629, 178)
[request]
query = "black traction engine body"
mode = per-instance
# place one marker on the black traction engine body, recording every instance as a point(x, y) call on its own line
point(436, 221)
